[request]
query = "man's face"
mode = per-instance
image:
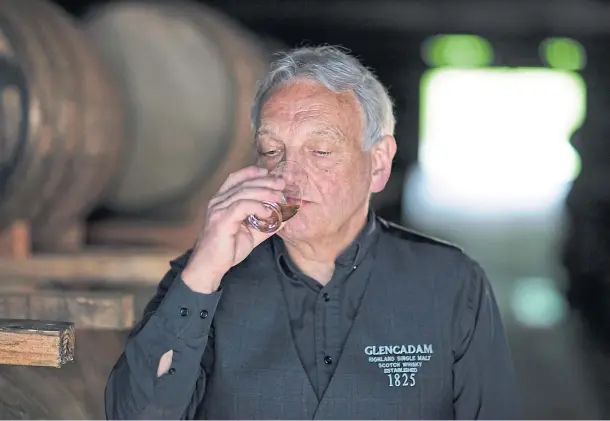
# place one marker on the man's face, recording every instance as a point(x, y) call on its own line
point(322, 130)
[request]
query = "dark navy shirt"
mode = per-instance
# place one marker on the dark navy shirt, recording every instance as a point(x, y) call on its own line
point(320, 319)
point(321, 316)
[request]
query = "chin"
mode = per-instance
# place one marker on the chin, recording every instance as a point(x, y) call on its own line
point(298, 227)
point(293, 231)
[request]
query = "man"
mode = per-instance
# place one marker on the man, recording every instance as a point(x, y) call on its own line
point(340, 314)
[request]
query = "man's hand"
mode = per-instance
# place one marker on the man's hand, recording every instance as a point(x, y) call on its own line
point(225, 240)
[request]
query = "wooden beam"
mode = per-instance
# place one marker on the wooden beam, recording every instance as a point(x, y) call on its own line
point(36, 342)
point(117, 266)
point(568, 17)
point(120, 232)
point(86, 309)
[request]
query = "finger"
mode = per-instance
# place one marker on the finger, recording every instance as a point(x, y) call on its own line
point(263, 182)
point(258, 236)
point(260, 194)
point(238, 211)
point(242, 175)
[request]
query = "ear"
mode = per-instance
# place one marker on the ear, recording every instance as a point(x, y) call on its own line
point(382, 155)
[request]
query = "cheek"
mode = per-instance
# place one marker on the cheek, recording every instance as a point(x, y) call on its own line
point(341, 179)
point(335, 185)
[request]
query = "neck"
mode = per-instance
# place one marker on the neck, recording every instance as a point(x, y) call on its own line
point(316, 258)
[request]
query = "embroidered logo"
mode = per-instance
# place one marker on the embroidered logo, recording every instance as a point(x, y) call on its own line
point(400, 363)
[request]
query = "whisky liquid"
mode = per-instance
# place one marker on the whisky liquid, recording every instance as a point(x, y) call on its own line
point(288, 211)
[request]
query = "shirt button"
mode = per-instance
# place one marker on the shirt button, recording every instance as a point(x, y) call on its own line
point(355, 267)
point(184, 312)
point(326, 297)
point(328, 360)
point(203, 314)
point(172, 370)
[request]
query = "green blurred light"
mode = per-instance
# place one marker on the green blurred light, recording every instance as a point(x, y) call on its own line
point(563, 53)
point(464, 51)
point(536, 302)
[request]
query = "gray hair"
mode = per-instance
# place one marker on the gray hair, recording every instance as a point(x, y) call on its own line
point(339, 72)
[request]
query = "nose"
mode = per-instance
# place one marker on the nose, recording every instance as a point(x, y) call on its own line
point(295, 167)
point(293, 155)
point(288, 177)
point(293, 173)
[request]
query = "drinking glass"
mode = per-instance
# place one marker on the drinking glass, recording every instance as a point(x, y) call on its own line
point(295, 179)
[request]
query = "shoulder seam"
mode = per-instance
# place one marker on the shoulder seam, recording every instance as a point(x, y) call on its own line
point(415, 235)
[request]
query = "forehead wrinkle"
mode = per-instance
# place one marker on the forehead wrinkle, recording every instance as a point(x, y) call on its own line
point(315, 118)
point(332, 120)
point(305, 116)
point(327, 131)
point(302, 112)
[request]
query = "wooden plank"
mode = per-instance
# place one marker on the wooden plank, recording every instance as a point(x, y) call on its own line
point(36, 342)
point(86, 309)
point(75, 392)
point(116, 266)
point(122, 232)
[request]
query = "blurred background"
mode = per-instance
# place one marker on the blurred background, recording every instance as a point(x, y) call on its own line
point(118, 119)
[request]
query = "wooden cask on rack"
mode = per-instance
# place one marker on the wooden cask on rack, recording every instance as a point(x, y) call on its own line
point(60, 122)
point(189, 74)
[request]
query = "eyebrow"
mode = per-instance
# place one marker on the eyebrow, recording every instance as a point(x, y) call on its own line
point(328, 132)
point(263, 131)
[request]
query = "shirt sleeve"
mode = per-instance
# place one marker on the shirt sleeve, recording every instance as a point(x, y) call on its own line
point(484, 380)
point(177, 319)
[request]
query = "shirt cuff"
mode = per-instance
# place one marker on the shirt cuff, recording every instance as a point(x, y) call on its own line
point(186, 313)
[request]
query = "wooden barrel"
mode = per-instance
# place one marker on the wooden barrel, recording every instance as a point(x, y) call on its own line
point(189, 74)
point(74, 391)
point(60, 138)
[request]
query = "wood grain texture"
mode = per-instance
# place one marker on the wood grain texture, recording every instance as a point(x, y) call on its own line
point(74, 392)
point(116, 266)
point(94, 142)
point(86, 309)
point(36, 342)
point(127, 232)
point(62, 124)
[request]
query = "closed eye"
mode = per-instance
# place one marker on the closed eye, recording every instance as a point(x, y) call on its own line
point(321, 153)
point(270, 153)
